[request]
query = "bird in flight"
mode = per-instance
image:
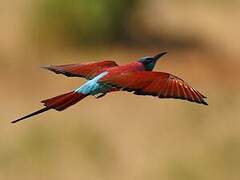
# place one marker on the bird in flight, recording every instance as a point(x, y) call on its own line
point(107, 76)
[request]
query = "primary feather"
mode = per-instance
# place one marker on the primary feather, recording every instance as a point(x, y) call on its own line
point(160, 84)
point(88, 71)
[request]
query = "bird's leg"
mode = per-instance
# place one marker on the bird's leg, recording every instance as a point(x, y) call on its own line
point(100, 95)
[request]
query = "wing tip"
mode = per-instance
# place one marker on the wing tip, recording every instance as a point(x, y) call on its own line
point(45, 67)
point(59, 70)
point(204, 102)
point(49, 67)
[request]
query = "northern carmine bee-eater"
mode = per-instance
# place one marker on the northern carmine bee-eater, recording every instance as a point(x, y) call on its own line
point(107, 76)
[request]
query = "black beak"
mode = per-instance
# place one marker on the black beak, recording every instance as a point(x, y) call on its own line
point(159, 56)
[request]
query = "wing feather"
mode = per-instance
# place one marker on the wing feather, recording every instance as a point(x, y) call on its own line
point(159, 84)
point(87, 71)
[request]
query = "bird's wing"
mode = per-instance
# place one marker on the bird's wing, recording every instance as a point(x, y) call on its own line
point(160, 84)
point(87, 71)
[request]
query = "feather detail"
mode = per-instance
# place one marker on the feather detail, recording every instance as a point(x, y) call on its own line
point(32, 114)
point(159, 84)
point(62, 102)
point(87, 71)
point(58, 103)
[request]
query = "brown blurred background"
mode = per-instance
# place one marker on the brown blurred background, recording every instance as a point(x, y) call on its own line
point(121, 136)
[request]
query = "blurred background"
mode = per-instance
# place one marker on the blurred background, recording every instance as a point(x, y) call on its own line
point(121, 136)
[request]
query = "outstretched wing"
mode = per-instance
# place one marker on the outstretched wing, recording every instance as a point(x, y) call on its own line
point(160, 84)
point(87, 71)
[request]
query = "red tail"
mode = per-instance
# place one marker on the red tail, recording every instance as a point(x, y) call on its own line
point(58, 103)
point(63, 101)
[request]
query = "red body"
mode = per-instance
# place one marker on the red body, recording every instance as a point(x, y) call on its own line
point(136, 77)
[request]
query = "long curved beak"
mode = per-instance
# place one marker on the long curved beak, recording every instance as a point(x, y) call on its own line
point(158, 56)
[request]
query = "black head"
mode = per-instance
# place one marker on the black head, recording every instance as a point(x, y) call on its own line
point(149, 62)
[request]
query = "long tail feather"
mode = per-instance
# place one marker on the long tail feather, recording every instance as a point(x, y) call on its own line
point(58, 103)
point(63, 101)
point(32, 114)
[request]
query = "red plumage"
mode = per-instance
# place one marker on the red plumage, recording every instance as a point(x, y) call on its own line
point(63, 101)
point(134, 77)
point(159, 84)
point(87, 71)
point(58, 103)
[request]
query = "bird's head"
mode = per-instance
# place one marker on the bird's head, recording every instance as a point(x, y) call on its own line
point(149, 62)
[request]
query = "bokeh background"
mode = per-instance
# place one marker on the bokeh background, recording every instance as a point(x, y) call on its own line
point(121, 136)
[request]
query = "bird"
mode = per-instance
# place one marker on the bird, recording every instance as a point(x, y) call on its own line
point(107, 76)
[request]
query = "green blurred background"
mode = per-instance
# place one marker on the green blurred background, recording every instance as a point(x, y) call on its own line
point(121, 136)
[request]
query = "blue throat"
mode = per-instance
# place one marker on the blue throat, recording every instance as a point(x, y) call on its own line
point(148, 63)
point(149, 66)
